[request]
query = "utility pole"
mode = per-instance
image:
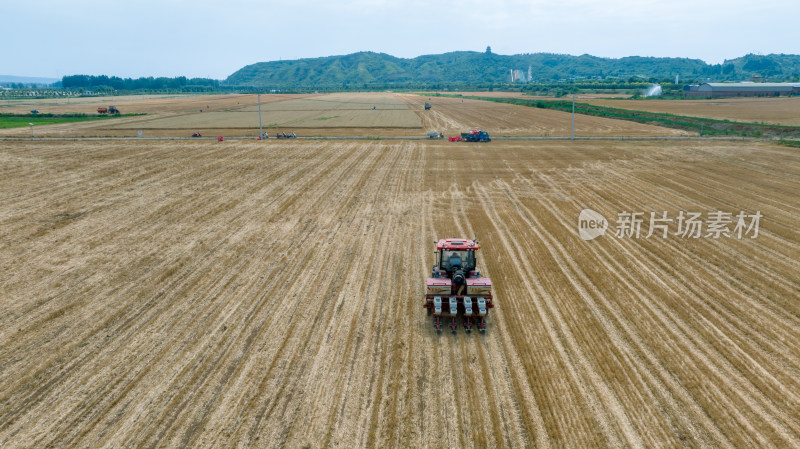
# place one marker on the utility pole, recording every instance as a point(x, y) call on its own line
point(573, 116)
point(260, 129)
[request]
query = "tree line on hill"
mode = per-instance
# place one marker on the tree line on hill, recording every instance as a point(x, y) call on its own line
point(104, 83)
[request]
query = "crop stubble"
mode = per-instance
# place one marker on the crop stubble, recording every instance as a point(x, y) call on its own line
point(341, 114)
point(773, 110)
point(454, 115)
point(269, 293)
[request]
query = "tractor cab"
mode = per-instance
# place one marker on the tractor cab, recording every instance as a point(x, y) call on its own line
point(456, 260)
point(455, 255)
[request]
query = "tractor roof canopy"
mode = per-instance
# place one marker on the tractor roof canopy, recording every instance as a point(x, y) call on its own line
point(457, 244)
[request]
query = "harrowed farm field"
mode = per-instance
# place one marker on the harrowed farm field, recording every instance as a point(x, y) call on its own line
point(179, 293)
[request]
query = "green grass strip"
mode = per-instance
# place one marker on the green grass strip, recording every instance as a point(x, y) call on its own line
point(22, 120)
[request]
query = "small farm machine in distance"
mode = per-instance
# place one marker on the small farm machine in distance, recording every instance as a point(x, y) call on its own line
point(456, 288)
point(109, 110)
point(476, 136)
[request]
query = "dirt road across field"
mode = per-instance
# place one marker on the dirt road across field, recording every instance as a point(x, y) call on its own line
point(269, 294)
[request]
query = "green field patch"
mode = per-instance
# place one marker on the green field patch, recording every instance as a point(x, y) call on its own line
point(326, 118)
point(790, 143)
point(22, 120)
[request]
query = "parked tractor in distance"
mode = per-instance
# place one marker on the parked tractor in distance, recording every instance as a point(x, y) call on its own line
point(109, 110)
point(456, 288)
point(427, 106)
point(476, 136)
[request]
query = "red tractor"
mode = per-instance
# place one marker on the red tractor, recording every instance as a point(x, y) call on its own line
point(455, 288)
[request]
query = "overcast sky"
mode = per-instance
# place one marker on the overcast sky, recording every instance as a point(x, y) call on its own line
point(205, 38)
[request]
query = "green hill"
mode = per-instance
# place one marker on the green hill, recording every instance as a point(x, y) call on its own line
point(775, 67)
point(466, 68)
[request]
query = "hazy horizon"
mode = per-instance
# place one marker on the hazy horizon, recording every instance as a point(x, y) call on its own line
point(212, 40)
